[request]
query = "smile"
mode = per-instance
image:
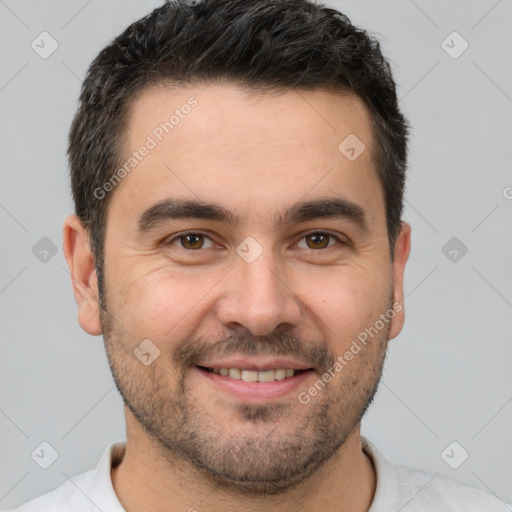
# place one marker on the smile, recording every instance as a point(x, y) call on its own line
point(255, 383)
point(252, 375)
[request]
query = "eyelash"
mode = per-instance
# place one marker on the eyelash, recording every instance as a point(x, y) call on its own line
point(182, 235)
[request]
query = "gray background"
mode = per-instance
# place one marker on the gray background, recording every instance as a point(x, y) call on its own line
point(447, 377)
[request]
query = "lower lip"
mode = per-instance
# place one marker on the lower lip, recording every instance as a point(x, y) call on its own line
point(257, 390)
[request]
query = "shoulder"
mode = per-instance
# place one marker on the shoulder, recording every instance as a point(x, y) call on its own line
point(88, 492)
point(413, 490)
point(63, 498)
point(425, 491)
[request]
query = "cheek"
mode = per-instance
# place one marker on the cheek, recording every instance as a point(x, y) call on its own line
point(163, 304)
point(347, 302)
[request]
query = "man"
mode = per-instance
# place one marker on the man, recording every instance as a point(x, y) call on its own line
point(238, 172)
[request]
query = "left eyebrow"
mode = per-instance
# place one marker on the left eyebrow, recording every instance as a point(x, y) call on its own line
point(328, 208)
point(323, 208)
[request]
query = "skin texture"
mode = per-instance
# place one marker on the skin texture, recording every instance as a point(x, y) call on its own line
point(189, 443)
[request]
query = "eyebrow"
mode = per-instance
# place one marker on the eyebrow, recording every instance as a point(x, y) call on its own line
point(325, 208)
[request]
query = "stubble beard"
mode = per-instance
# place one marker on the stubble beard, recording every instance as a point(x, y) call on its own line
point(273, 448)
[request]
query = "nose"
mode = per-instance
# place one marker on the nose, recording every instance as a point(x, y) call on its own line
point(259, 296)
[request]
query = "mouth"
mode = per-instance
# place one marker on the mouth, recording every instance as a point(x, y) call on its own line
point(254, 384)
point(254, 375)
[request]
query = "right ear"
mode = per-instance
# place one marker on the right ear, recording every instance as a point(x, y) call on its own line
point(77, 250)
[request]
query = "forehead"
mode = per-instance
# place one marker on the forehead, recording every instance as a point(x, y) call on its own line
point(247, 151)
point(215, 117)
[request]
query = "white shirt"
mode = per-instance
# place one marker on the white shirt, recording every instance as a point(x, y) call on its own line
point(399, 488)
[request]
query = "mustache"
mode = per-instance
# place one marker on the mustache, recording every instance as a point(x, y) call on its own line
point(193, 351)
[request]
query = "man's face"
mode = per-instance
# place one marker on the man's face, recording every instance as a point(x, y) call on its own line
point(270, 292)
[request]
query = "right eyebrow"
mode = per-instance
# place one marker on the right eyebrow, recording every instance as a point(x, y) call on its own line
point(169, 209)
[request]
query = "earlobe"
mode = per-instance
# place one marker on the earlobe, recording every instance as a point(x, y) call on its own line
point(402, 251)
point(80, 260)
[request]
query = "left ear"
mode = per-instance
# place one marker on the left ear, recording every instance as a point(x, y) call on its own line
point(402, 250)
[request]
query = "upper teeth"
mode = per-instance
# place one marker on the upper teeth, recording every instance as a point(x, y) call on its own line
point(255, 376)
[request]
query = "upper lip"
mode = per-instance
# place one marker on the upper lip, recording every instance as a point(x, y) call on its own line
point(255, 364)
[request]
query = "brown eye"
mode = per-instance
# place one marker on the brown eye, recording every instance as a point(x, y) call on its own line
point(191, 241)
point(320, 240)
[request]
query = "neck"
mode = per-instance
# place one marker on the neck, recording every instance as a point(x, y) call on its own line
point(146, 480)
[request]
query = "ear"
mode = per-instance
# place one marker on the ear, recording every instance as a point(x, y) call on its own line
point(402, 250)
point(82, 268)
